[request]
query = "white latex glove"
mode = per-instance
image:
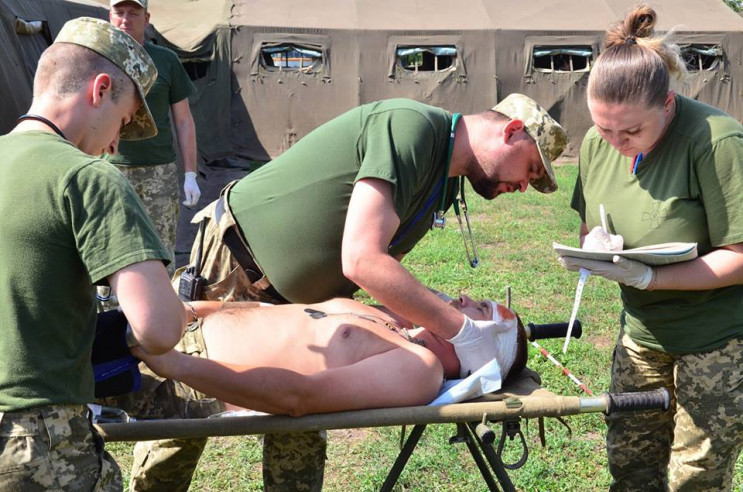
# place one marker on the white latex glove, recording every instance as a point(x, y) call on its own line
point(191, 190)
point(479, 342)
point(600, 240)
point(622, 270)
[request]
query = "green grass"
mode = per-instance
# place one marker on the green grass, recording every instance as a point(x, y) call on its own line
point(514, 235)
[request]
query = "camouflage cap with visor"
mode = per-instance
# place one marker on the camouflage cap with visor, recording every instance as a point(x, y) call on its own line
point(547, 133)
point(124, 52)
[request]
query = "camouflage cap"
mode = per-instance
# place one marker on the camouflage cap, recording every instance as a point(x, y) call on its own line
point(127, 54)
point(549, 136)
point(142, 3)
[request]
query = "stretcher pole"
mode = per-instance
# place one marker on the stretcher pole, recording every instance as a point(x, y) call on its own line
point(494, 411)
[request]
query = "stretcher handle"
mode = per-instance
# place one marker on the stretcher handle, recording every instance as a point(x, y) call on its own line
point(552, 330)
point(658, 399)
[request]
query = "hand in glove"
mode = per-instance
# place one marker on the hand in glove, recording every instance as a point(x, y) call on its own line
point(622, 270)
point(600, 240)
point(191, 190)
point(479, 342)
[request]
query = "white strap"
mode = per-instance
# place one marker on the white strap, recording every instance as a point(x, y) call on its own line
point(584, 273)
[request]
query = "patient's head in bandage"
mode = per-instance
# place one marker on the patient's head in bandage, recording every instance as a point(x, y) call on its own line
point(511, 348)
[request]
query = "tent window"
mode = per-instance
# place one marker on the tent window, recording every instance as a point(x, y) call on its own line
point(562, 59)
point(291, 58)
point(196, 69)
point(699, 57)
point(29, 28)
point(427, 58)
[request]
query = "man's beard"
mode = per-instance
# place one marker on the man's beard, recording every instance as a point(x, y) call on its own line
point(483, 186)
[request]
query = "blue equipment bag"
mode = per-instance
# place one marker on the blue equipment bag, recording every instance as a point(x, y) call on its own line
point(116, 370)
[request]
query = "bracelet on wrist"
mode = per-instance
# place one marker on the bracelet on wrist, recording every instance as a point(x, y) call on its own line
point(193, 312)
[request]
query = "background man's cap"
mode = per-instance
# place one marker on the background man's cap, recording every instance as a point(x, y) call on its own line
point(127, 54)
point(143, 3)
point(546, 132)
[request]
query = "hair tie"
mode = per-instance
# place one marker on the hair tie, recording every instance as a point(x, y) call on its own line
point(630, 40)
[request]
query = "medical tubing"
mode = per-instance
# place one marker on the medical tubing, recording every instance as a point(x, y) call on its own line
point(642, 400)
point(552, 330)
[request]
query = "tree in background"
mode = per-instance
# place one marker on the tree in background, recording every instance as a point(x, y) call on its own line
point(736, 5)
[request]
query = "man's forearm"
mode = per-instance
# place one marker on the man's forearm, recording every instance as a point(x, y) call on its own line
point(387, 281)
point(186, 135)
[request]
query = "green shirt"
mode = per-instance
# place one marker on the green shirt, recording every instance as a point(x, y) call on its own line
point(690, 189)
point(293, 210)
point(68, 220)
point(171, 86)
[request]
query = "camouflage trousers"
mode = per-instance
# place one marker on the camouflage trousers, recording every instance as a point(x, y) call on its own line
point(694, 445)
point(157, 187)
point(54, 448)
point(291, 461)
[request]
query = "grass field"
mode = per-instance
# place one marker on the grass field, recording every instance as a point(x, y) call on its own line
point(514, 235)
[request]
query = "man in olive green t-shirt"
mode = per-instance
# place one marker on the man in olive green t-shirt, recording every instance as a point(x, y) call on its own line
point(150, 164)
point(339, 210)
point(69, 221)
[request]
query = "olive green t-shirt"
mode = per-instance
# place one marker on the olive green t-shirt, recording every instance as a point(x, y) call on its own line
point(689, 189)
point(292, 211)
point(67, 221)
point(171, 86)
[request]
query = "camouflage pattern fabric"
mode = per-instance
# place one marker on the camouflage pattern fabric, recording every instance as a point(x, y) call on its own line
point(157, 187)
point(291, 462)
point(693, 446)
point(549, 136)
point(54, 448)
point(127, 54)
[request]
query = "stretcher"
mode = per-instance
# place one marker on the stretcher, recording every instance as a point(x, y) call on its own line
point(522, 397)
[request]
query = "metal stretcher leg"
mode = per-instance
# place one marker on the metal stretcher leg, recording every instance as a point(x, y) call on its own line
point(402, 459)
point(493, 459)
point(470, 439)
point(466, 433)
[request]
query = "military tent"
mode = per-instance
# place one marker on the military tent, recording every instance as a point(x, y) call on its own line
point(294, 65)
point(27, 27)
point(269, 71)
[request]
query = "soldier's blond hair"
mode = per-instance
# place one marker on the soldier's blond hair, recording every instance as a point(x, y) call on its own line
point(64, 68)
point(635, 65)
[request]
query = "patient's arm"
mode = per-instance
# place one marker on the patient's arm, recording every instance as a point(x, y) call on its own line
point(404, 376)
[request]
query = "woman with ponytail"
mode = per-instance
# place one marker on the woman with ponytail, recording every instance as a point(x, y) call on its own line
point(667, 168)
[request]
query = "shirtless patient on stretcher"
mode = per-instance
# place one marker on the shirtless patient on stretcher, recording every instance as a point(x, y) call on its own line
point(297, 359)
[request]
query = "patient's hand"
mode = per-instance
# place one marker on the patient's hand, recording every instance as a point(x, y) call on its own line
point(165, 365)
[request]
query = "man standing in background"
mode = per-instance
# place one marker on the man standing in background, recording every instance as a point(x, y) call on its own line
point(149, 164)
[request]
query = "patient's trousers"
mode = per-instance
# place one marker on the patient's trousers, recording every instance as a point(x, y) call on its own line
point(694, 445)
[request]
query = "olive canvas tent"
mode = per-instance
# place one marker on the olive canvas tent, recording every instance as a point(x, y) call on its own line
point(273, 70)
point(270, 71)
point(27, 28)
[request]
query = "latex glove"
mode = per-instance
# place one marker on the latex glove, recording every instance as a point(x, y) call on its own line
point(622, 270)
point(479, 342)
point(600, 240)
point(191, 190)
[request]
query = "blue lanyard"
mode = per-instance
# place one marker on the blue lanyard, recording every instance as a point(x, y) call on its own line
point(440, 188)
point(638, 159)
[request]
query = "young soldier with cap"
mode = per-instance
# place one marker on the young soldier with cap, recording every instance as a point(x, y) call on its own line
point(338, 211)
point(70, 221)
point(149, 164)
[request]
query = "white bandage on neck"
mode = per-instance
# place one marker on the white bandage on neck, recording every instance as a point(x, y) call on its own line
point(506, 337)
